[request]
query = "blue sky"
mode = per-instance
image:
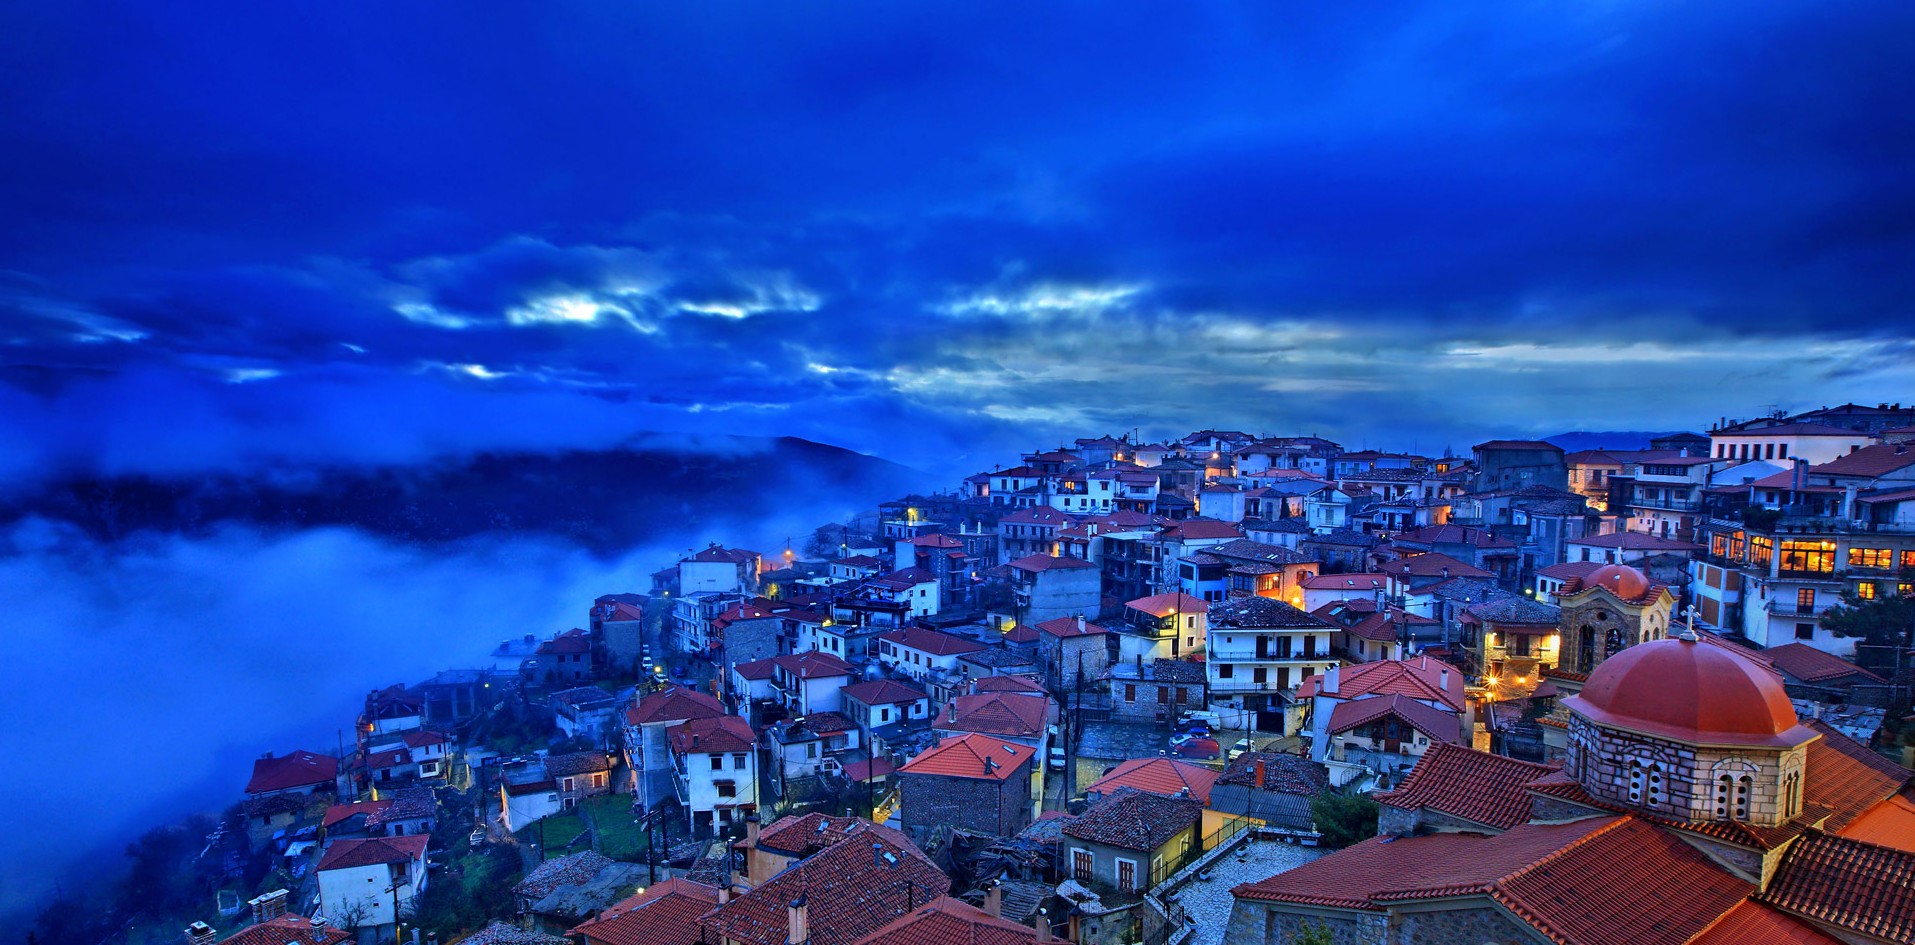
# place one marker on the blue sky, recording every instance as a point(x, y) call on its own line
point(356, 231)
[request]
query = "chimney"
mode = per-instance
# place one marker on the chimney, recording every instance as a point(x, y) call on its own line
point(1260, 772)
point(1080, 623)
point(1041, 919)
point(1446, 571)
point(994, 898)
point(268, 905)
point(724, 893)
point(797, 933)
point(1330, 681)
point(199, 933)
point(1443, 680)
point(751, 830)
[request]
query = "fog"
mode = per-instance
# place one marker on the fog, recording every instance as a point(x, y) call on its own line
point(148, 673)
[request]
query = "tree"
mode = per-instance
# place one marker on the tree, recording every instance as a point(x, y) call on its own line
point(1313, 933)
point(1885, 626)
point(1344, 819)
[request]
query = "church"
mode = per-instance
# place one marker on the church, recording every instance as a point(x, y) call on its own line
point(1692, 807)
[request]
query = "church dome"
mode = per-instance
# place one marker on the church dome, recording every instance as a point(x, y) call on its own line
point(1619, 579)
point(1693, 692)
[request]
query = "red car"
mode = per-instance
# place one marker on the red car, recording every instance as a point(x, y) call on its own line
point(1202, 747)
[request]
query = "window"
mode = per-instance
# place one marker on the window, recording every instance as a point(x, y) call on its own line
point(1761, 550)
point(1225, 670)
point(1878, 558)
point(1810, 557)
point(1805, 631)
point(1126, 876)
point(598, 780)
point(1805, 601)
point(718, 762)
point(738, 761)
point(1908, 558)
point(1081, 865)
point(1130, 691)
point(884, 715)
point(1259, 675)
point(726, 788)
point(1865, 590)
point(565, 785)
point(811, 750)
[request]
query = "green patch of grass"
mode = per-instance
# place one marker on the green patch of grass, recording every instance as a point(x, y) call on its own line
point(619, 836)
point(555, 834)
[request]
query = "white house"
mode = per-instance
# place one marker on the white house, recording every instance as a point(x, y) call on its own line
point(1330, 588)
point(810, 682)
point(914, 587)
point(1260, 649)
point(648, 724)
point(1811, 442)
point(1379, 717)
point(370, 882)
point(883, 702)
point(921, 653)
point(715, 764)
point(718, 568)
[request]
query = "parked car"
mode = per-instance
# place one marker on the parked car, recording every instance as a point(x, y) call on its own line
point(1242, 745)
point(1211, 719)
point(1202, 748)
point(1193, 727)
point(1057, 757)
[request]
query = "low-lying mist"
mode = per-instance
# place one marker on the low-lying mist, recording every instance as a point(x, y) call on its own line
point(149, 671)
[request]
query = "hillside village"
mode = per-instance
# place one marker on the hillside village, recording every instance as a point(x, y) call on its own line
point(1228, 688)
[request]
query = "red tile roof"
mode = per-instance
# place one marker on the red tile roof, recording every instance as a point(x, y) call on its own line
point(813, 664)
point(1433, 564)
point(1868, 462)
point(1569, 569)
point(1809, 664)
point(1633, 541)
point(287, 929)
point(933, 642)
point(721, 553)
point(947, 921)
point(674, 704)
point(1599, 881)
point(1363, 618)
point(996, 713)
point(664, 914)
point(1863, 887)
point(985, 684)
point(1021, 633)
point(1070, 627)
point(299, 769)
point(1037, 515)
point(1890, 823)
point(882, 692)
point(1454, 534)
point(1135, 820)
point(340, 812)
point(1752, 923)
point(1344, 582)
point(1419, 678)
point(862, 771)
point(1473, 785)
point(973, 756)
point(727, 734)
point(1845, 776)
point(1200, 529)
point(371, 851)
point(1164, 605)
point(1035, 563)
point(856, 886)
point(756, 669)
point(571, 641)
point(1158, 776)
point(1438, 724)
point(1283, 773)
point(936, 540)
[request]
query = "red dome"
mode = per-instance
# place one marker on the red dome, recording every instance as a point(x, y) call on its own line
point(1690, 691)
point(1620, 579)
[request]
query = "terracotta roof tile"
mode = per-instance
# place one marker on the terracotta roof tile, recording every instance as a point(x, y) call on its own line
point(1438, 724)
point(852, 888)
point(947, 921)
point(1131, 819)
point(882, 692)
point(675, 704)
point(1890, 823)
point(933, 642)
point(1283, 773)
point(813, 664)
point(287, 930)
point(1049, 563)
point(1418, 678)
point(1809, 664)
point(996, 713)
point(973, 756)
point(345, 854)
point(1069, 627)
point(664, 914)
point(1849, 884)
point(1473, 785)
point(1012, 683)
point(299, 769)
point(1158, 776)
point(1752, 923)
point(727, 734)
point(1433, 564)
point(1164, 605)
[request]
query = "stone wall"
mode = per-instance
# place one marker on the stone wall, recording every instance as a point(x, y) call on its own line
point(1475, 925)
point(1270, 923)
point(997, 808)
point(1682, 780)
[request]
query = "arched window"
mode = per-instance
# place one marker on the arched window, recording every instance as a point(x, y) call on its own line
point(1792, 794)
point(1724, 790)
point(1743, 785)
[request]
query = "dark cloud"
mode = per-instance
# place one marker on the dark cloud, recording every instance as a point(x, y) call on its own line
point(923, 232)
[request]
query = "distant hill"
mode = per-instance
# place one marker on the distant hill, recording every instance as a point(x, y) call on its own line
point(1605, 440)
point(604, 500)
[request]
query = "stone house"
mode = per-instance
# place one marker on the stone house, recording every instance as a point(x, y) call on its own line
point(1274, 788)
point(972, 782)
point(1132, 840)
